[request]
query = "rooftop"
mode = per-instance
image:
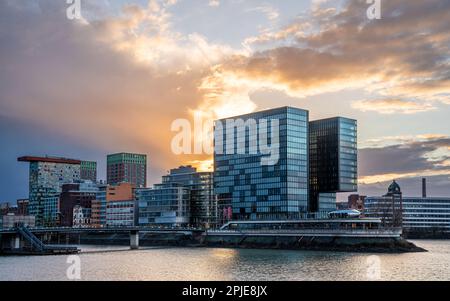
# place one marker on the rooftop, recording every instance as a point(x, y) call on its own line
point(49, 160)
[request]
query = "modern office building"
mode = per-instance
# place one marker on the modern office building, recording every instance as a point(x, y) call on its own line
point(51, 210)
point(121, 213)
point(88, 171)
point(98, 208)
point(127, 168)
point(418, 214)
point(11, 220)
point(164, 204)
point(114, 205)
point(79, 194)
point(185, 197)
point(332, 161)
point(316, 160)
point(46, 177)
point(246, 184)
point(202, 205)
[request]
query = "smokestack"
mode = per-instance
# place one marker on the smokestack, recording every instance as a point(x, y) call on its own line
point(424, 187)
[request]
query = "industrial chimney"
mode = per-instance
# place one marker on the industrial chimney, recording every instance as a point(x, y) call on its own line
point(424, 187)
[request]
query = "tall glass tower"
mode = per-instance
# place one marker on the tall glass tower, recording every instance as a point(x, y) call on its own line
point(333, 161)
point(245, 185)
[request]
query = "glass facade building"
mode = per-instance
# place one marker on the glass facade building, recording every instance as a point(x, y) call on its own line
point(121, 213)
point(250, 190)
point(51, 211)
point(47, 175)
point(333, 161)
point(165, 204)
point(185, 197)
point(203, 206)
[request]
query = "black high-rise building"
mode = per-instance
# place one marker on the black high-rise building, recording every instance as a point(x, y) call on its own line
point(332, 161)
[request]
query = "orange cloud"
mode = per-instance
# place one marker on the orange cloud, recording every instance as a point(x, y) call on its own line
point(392, 106)
point(403, 57)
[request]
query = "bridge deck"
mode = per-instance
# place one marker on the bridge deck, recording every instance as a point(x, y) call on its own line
point(101, 230)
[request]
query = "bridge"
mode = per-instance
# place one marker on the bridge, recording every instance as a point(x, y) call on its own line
point(42, 230)
point(25, 240)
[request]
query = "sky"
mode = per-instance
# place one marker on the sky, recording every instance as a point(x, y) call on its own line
point(116, 79)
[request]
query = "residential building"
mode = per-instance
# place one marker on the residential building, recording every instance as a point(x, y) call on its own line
point(11, 220)
point(88, 171)
point(46, 177)
point(77, 194)
point(81, 217)
point(127, 168)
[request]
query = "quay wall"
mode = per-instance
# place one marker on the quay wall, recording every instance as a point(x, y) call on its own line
point(318, 243)
point(225, 240)
point(294, 242)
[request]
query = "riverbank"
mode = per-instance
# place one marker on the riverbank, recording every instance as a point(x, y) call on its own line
point(426, 234)
point(341, 244)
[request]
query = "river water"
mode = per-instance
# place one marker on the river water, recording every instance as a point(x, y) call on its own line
point(189, 264)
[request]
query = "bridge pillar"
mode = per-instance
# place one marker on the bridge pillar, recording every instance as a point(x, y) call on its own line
point(15, 242)
point(134, 240)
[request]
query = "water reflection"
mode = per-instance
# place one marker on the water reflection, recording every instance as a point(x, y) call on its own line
point(118, 263)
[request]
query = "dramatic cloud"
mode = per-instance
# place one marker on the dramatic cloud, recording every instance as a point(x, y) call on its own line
point(116, 83)
point(424, 156)
point(392, 106)
point(116, 80)
point(405, 55)
point(437, 186)
point(407, 160)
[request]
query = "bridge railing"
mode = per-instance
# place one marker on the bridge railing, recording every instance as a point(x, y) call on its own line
point(314, 231)
point(122, 229)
